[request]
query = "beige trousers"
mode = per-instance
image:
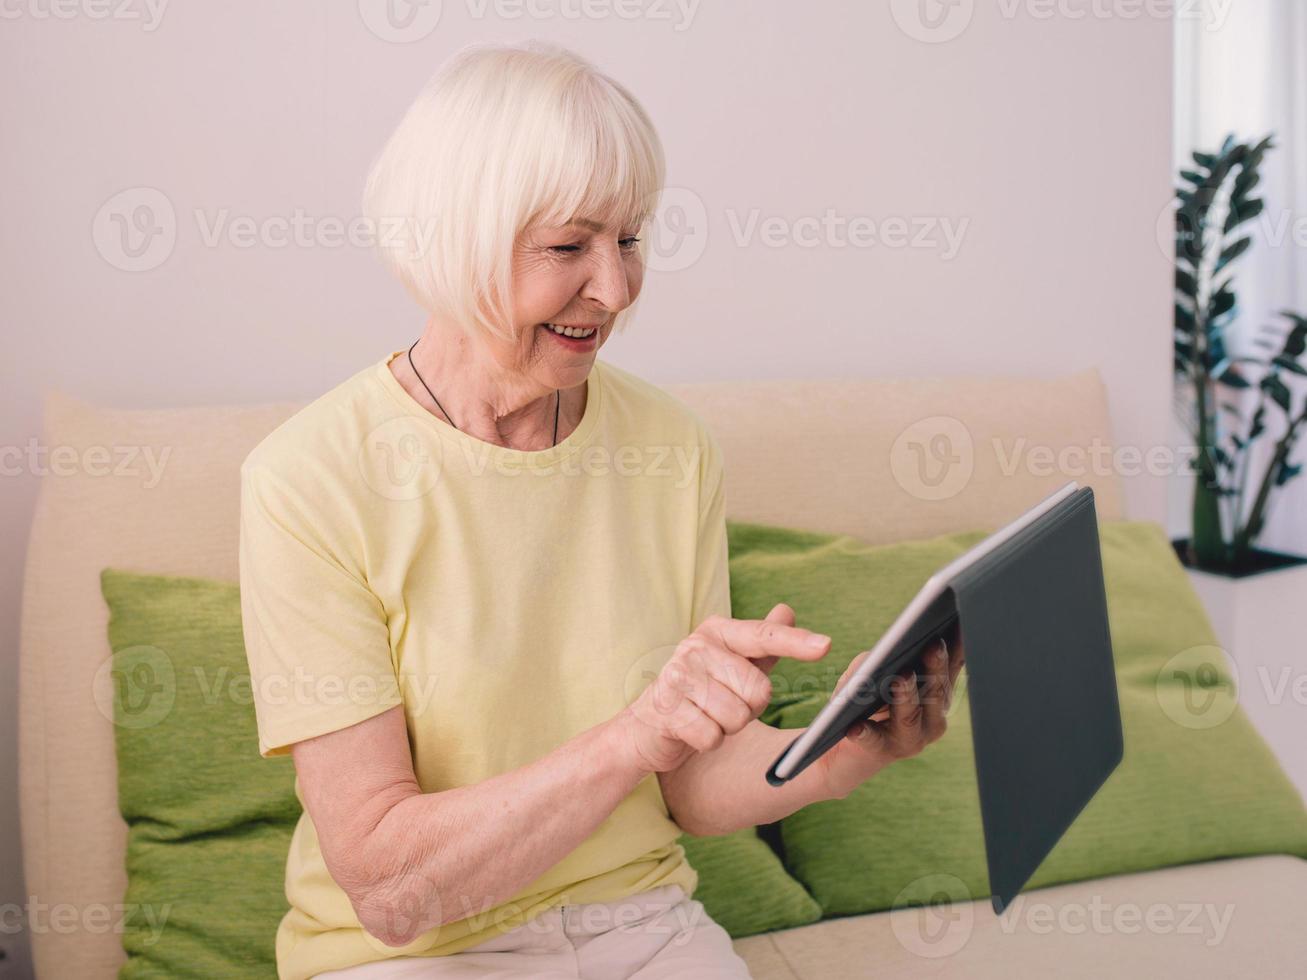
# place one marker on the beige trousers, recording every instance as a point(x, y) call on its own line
point(657, 935)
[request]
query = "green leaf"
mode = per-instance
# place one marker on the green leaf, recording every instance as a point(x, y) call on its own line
point(1222, 302)
point(1296, 342)
point(1232, 252)
point(1277, 389)
point(1246, 212)
point(1258, 426)
point(1232, 378)
point(1248, 179)
point(1289, 364)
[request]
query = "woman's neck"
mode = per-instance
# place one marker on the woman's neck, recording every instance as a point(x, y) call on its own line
point(484, 399)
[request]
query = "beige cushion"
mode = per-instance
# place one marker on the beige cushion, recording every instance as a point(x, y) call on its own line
point(895, 460)
point(818, 454)
point(1088, 929)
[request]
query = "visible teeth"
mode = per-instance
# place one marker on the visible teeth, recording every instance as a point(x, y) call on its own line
point(570, 331)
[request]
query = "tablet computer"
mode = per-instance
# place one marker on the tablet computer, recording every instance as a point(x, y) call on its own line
point(1029, 605)
point(931, 616)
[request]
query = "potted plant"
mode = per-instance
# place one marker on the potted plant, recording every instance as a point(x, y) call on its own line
point(1240, 406)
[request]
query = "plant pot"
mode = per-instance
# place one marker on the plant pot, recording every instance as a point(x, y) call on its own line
point(1260, 618)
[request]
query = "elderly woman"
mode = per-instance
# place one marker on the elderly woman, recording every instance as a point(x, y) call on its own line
point(484, 581)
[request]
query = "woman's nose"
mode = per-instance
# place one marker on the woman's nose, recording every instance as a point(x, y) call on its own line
point(608, 282)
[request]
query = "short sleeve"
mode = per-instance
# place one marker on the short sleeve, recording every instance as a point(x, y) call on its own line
point(315, 634)
point(712, 589)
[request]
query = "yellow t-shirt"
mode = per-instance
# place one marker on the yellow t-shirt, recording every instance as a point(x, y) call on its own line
point(509, 600)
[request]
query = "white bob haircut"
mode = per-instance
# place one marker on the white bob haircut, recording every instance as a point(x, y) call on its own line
point(505, 137)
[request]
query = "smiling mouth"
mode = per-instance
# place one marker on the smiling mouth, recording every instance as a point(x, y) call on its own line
point(572, 333)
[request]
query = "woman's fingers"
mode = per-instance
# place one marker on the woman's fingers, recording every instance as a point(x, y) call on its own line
point(708, 663)
point(701, 733)
point(723, 706)
point(854, 664)
point(706, 712)
point(918, 715)
point(905, 714)
point(783, 614)
point(957, 656)
point(703, 680)
point(764, 640)
point(935, 693)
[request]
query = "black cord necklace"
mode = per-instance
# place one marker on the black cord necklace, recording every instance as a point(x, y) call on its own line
point(558, 395)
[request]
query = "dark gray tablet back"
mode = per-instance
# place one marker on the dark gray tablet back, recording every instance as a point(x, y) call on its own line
point(1045, 720)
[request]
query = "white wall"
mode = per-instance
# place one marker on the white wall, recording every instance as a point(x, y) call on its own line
point(1046, 141)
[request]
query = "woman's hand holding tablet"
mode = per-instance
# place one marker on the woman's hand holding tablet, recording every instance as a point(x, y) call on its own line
point(914, 716)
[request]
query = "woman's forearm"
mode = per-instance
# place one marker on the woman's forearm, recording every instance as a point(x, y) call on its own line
point(726, 790)
point(464, 851)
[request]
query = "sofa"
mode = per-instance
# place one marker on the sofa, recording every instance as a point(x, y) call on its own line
point(851, 462)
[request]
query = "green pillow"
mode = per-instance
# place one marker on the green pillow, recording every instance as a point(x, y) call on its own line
point(743, 885)
point(209, 820)
point(1183, 792)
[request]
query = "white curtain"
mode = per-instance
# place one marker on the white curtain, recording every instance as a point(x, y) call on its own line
point(1241, 67)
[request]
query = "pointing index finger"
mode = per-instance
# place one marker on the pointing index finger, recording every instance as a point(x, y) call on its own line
point(760, 638)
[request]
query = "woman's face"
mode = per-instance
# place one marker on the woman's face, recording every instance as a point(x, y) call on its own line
point(579, 275)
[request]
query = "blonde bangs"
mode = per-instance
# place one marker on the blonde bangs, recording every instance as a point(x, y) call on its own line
point(602, 167)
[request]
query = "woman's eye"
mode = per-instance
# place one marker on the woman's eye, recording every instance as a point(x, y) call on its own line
point(627, 244)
